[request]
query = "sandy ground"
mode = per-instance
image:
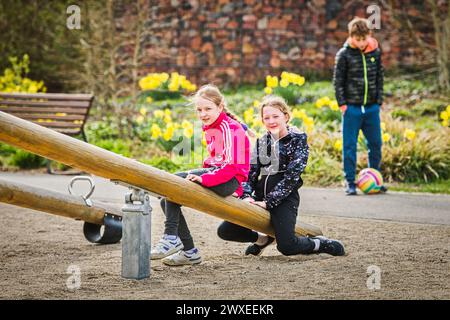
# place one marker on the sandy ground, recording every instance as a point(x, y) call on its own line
point(37, 249)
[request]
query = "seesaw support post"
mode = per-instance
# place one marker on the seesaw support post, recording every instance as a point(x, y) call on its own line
point(136, 235)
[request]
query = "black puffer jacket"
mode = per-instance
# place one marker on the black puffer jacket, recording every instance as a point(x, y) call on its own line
point(276, 167)
point(358, 76)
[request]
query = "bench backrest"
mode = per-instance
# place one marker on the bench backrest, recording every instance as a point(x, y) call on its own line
point(65, 113)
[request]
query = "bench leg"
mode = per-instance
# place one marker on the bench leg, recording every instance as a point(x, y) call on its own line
point(83, 135)
point(49, 166)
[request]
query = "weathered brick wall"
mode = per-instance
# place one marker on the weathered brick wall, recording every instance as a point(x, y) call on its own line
point(242, 41)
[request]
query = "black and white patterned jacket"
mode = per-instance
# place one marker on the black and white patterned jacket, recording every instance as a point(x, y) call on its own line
point(286, 158)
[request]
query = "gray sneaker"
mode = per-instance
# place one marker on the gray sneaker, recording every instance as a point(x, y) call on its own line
point(167, 246)
point(182, 258)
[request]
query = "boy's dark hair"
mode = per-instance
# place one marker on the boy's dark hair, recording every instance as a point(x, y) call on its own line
point(358, 27)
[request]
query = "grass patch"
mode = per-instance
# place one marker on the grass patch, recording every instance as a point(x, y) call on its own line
point(439, 186)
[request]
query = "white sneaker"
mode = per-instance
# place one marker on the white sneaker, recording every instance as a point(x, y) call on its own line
point(183, 258)
point(167, 246)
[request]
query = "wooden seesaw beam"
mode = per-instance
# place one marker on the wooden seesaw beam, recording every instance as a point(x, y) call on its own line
point(69, 206)
point(89, 158)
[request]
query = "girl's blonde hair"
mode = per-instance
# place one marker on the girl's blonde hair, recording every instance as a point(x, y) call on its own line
point(276, 102)
point(212, 93)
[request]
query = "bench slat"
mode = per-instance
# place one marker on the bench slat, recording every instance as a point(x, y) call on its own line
point(70, 132)
point(50, 103)
point(58, 124)
point(55, 96)
point(35, 116)
point(39, 110)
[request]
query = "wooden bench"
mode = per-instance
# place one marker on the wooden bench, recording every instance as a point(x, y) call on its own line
point(65, 113)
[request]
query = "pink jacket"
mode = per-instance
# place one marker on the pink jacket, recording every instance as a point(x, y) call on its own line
point(229, 150)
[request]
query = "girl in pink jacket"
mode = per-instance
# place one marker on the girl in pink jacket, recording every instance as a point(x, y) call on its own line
point(224, 170)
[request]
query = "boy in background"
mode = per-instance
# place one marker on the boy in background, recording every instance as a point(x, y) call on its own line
point(358, 83)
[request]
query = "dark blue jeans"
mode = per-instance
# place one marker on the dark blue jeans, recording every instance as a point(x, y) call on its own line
point(366, 119)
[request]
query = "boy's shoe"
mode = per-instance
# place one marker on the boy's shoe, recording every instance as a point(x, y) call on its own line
point(182, 258)
point(383, 189)
point(256, 250)
point(167, 246)
point(351, 189)
point(330, 246)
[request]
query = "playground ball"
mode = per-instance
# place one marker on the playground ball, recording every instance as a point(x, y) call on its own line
point(369, 181)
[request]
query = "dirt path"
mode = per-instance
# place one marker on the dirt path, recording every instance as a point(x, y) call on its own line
point(36, 250)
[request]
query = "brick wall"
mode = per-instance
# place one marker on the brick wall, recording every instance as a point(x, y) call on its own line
point(226, 41)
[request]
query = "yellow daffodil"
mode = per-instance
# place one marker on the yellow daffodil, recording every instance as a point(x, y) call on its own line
point(319, 103)
point(334, 105)
point(386, 137)
point(143, 111)
point(338, 145)
point(155, 130)
point(167, 119)
point(409, 134)
point(186, 124)
point(271, 82)
point(268, 90)
point(360, 136)
point(444, 115)
point(158, 113)
point(168, 133)
point(257, 122)
point(248, 115)
point(300, 81)
point(188, 132)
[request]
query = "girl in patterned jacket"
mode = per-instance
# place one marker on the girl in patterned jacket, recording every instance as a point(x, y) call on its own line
point(223, 172)
point(277, 161)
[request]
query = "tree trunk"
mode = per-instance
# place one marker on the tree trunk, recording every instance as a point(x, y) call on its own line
point(441, 36)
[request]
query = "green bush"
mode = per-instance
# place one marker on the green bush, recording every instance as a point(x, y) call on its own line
point(102, 130)
point(117, 146)
point(162, 163)
point(402, 114)
point(322, 169)
point(25, 160)
point(6, 150)
point(425, 159)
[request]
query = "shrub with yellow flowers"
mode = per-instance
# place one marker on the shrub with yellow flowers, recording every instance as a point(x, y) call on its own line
point(162, 86)
point(302, 120)
point(159, 126)
point(327, 102)
point(445, 116)
point(287, 86)
point(14, 79)
point(410, 154)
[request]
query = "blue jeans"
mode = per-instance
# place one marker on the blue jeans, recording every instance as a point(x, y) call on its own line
point(368, 120)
